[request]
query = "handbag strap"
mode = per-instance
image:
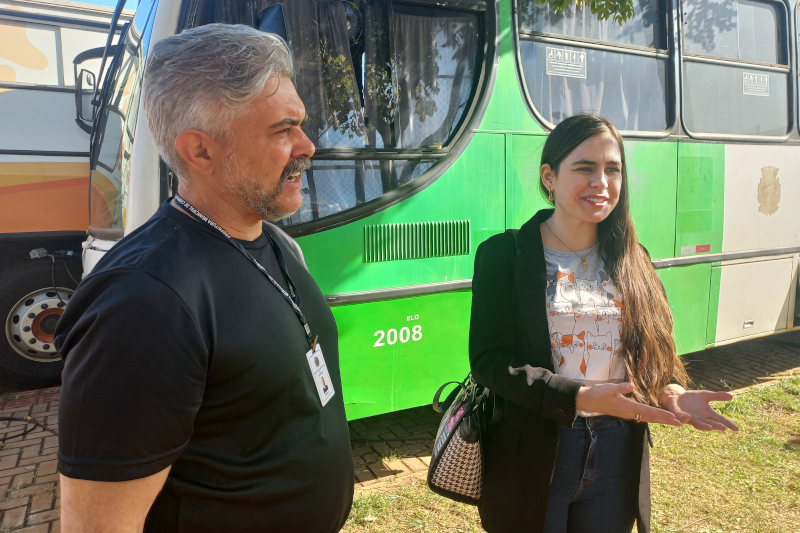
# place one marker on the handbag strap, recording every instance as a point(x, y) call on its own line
point(450, 397)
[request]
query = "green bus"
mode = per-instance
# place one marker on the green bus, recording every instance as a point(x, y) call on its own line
point(429, 117)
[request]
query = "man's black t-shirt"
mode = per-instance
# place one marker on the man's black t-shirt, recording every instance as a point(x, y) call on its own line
point(179, 351)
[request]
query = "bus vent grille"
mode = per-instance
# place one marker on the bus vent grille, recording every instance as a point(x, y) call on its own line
point(416, 240)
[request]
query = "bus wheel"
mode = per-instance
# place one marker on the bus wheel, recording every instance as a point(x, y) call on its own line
point(30, 308)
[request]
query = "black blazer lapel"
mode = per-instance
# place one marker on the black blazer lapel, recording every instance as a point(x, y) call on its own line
point(530, 285)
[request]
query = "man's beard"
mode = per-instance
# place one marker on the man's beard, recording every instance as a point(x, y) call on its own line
point(250, 190)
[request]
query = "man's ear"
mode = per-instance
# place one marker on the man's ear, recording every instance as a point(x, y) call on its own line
point(197, 150)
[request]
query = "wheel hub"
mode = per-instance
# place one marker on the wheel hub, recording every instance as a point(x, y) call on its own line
point(31, 324)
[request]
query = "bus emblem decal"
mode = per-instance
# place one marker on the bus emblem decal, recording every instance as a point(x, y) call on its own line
point(769, 191)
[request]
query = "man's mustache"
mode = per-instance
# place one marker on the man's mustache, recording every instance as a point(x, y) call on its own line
point(296, 166)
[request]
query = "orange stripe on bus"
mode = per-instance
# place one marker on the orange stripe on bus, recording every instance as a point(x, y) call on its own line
point(54, 209)
point(10, 189)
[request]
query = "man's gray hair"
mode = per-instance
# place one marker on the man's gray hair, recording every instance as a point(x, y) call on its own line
point(204, 77)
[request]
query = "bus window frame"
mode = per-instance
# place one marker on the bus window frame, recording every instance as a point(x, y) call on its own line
point(57, 23)
point(794, 58)
point(672, 104)
point(789, 70)
point(37, 24)
point(483, 85)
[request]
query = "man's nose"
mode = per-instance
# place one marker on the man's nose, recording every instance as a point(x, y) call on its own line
point(303, 148)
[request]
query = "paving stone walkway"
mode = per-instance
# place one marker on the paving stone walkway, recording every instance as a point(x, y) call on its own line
point(746, 364)
point(389, 450)
point(29, 499)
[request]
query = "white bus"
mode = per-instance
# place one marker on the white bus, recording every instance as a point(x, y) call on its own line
point(44, 174)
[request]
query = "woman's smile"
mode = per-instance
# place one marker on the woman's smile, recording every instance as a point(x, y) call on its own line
point(596, 201)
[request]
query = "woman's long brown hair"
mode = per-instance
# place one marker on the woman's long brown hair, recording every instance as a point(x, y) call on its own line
point(651, 360)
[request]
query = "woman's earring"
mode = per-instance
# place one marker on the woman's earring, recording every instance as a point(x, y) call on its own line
point(550, 196)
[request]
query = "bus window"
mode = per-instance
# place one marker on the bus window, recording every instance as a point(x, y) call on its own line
point(110, 158)
point(745, 30)
point(386, 86)
point(735, 57)
point(572, 62)
point(33, 56)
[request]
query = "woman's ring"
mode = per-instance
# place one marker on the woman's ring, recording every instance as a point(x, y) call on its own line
point(638, 417)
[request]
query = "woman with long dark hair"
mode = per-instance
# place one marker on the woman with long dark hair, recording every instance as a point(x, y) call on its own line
point(571, 328)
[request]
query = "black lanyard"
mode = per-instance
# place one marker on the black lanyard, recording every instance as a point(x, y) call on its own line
point(292, 297)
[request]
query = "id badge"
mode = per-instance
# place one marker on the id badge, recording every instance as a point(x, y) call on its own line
point(319, 371)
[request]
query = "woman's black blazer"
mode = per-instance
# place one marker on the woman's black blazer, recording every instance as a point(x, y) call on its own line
point(509, 352)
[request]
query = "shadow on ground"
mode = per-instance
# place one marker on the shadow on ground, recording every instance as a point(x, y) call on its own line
point(735, 366)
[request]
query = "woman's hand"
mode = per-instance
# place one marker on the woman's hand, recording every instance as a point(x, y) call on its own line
point(609, 399)
point(691, 407)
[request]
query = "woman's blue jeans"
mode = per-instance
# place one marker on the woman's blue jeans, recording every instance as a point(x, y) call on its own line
point(595, 483)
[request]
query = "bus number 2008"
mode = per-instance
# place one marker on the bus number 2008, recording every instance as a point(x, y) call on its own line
point(392, 336)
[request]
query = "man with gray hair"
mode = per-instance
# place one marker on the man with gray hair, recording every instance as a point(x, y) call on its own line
point(196, 395)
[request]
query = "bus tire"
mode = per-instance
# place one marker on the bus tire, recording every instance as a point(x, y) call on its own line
point(29, 309)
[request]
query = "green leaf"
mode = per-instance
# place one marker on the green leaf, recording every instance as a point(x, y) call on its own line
point(620, 11)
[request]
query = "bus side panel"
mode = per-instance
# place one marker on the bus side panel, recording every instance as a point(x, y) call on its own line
point(471, 189)
point(762, 187)
point(524, 199)
point(652, 171)
point(506, 110)
point(37, 192)
point(713, 305)
point(701, 190)
point(698, 230)
point(38, 196)
point(754, 298)
point(395, 354)
point(688, 293)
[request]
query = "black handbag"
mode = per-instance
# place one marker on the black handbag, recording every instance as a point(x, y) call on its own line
point(456, 468)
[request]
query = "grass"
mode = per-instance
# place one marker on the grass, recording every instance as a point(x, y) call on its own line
point(746, 481)
point(7, 397)
point(411, 508)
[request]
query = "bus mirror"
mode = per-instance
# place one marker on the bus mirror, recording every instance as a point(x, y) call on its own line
point(84, 92)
